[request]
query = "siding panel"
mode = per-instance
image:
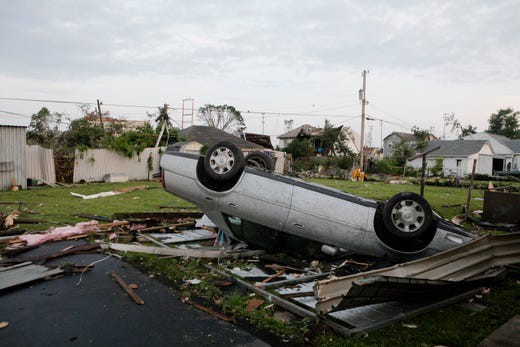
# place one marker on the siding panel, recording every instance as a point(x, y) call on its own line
point(12, 156)
point(40, 164)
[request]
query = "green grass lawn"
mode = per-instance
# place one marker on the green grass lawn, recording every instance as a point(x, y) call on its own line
point(451, 326)
point(58, 205)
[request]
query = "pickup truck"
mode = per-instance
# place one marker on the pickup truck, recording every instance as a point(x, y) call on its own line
point(276, 212)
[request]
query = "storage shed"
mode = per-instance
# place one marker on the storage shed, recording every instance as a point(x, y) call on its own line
point(12, 156)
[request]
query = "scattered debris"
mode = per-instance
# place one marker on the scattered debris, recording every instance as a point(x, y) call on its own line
point(163, 216)
point(127, 288)
point(409, 325)
point(210, 311)
point(4, 324)
point(24, 273)
point(133, 286)
point(208, 252)
point(222, 283)
point(93, 217)
point(253, 304)
point(110, 193)
point(58, 233)
point(451, 270)
point(194, 281)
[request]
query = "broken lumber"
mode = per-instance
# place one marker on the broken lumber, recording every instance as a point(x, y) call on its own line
point(92, 216)
point(210, 311)
point(127, 289)
point(157, 215)
point(169, 227)
point(177, 252)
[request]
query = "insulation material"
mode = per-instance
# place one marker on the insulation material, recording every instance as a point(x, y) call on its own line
point(58, 233)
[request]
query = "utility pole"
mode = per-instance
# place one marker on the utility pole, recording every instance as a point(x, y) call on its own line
point(263, 123)
point(99, 113)
point(363, 98)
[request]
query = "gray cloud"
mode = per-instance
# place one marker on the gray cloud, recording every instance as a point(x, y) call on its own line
point(469, 40)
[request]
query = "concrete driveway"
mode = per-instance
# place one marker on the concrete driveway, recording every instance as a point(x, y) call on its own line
point(98, 312)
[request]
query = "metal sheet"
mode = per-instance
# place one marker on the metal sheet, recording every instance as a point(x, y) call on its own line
point(501, 207)
point(456, 264)
point(93, 164)
point(12, 156)
point(17, 275)
point(185, 236)
point(40, 163)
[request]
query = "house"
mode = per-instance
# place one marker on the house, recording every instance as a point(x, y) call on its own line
point(396, 137)
point(352, 138)
point(514, 145)
point(501, 145)
point(456, 157)
point(259, 139)
point(12, 157)
point(305, 130)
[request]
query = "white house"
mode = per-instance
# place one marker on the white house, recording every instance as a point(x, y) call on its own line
point(457, 156)
point(501, 147)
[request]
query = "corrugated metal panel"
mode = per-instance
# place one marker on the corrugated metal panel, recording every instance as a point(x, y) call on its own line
point(12, 156)
point(40, 163)
point(92, 165)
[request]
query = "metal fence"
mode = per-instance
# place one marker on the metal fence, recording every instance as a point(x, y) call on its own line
point(12, 157)
point(40, 164)
point(93, 164)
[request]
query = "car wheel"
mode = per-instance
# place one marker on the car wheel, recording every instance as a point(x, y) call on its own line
point(223, 161)
point(407, 215)
point(259, 160)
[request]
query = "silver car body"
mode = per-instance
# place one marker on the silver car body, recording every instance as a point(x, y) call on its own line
point(311, 211)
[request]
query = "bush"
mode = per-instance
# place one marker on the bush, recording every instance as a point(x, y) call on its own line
point(300, 149)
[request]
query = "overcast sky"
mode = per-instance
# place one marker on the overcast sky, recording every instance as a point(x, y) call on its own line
point(425, 58)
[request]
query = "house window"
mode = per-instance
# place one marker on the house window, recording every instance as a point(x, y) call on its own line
point(459, 162)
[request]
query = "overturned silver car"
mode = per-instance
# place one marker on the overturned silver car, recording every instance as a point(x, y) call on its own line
point(276, 212)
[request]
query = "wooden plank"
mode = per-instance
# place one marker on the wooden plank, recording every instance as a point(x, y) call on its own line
point(157, 215)
point(127, 289)
point(177, 252)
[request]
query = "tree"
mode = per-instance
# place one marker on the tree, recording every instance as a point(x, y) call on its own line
point(422, 138)
point(223, 117)
point(402, 151)
point(44, 128)
point(505, 122)
point(300, 148)
point(463, 130)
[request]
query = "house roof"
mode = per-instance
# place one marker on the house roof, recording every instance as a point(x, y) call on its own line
point(499, 143)
point(455, 147)
point(514, 145)
point(403, 136)
point(209, 136)
point(306, 129)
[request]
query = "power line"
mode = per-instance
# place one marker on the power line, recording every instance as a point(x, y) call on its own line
point(80, 103)
point(298, 114)
point(294, 114)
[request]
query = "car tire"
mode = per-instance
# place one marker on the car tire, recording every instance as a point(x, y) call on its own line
point(223, 161)
point(407, 215)
point(259, 160)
